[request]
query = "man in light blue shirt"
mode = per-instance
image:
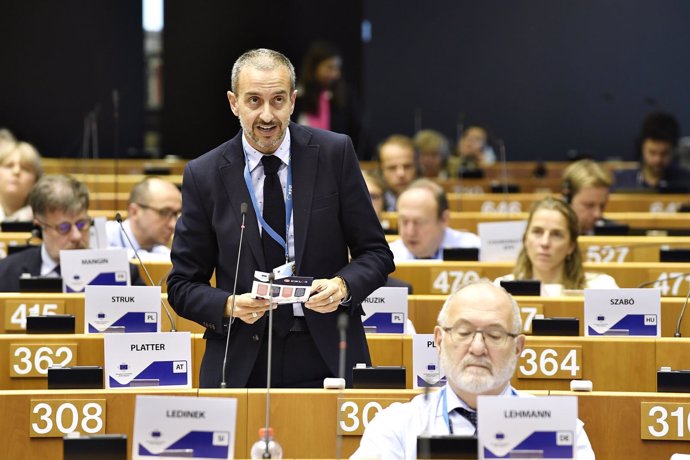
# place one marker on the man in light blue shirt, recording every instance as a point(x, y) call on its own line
point(423, 218)
point(479, 342)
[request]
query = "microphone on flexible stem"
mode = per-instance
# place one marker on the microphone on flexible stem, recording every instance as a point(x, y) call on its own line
point(118, 218)
point(271, 277)
point(504, 167)
point(343, 319)
point(243, 211)
point(680, 317)
point(649, 283)
point(116, 141)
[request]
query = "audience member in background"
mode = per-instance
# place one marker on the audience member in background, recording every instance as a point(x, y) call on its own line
point(376, 188)
point(398, 167)
point(423, 218)
point(478, 339)
point(550, 252)
point(473, 151)
point(433, 153)
point(20, 168)
point(152, 212)
point(586, 189)
point(6, 137)
point(658, 169)
point(60, 207)
point(324, 99)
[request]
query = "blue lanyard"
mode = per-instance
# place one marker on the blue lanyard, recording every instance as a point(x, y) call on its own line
point(288, 206)
point(444, 399)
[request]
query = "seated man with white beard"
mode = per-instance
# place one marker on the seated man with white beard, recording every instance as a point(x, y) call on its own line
point(478, 339)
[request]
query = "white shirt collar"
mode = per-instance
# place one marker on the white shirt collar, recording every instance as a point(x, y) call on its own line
point(47, 263)
point(254, 156)
point(454, 401)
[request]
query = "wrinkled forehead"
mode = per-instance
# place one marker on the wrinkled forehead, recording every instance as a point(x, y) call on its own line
point(481, 305)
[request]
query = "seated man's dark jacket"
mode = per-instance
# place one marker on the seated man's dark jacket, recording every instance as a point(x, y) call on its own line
point(29, 261)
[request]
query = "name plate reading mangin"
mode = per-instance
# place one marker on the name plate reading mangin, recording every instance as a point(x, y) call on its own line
point(623, 312)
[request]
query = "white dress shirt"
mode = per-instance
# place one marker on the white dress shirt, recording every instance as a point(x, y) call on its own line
point(451, 239)
point(117, 240)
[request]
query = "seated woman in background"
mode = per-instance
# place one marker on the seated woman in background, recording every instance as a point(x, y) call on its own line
point(550, 252)
point(20, 168)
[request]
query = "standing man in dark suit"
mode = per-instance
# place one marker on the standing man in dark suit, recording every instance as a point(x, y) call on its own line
point(60, 206)
point(322, 210)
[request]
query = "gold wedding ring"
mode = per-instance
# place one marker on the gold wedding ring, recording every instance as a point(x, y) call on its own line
point(254, 314)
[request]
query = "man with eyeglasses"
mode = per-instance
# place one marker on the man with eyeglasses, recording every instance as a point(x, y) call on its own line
point(152, 212)
point(60, 206)
point(479, 342)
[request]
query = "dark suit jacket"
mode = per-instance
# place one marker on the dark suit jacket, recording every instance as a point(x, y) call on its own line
point(332, 211)
point(29, 261)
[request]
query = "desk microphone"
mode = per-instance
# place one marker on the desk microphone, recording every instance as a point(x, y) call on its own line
point(343, 319)
point(650, 283)
point(271, 278)
point(118, 218)
point(243, 211)
point(504, 168)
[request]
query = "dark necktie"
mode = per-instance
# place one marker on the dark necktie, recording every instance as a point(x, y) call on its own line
point(469, 415)
point(274, 215)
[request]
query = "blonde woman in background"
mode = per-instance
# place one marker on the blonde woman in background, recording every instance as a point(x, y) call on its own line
point(586, 189)
point(20, 168)
point(550, 252)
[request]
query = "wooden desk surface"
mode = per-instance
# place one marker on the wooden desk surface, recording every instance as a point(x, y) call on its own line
point(437, 277)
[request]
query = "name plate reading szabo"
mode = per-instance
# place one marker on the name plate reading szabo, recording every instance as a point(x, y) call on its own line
point(16, 311)
point(34, 359)
point(665, 421)
point(54, 418)
point(446, 281)
point(561, 362)
point(356, 413)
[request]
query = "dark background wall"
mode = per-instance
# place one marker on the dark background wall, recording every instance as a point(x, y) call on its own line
point(203, 39)
point(61, 60)
point(545, 76)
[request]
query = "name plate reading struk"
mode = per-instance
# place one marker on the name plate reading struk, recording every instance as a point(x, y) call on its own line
point(16, 311)
point(426, 369)
point(148, 359)
point(102, 267)
point(665, 421)
point(33, 360)
point(540, 427)
point(182, 426)
point(356, 413)
point(561, 362)
point(54, 418)
point(386, 310)
point(623, 312)
point(122, 309)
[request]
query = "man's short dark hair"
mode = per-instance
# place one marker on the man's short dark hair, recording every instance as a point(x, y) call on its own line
point(660, 126)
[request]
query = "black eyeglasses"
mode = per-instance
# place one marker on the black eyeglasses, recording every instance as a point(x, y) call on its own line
point(494, 337)
point(63, 228)
point(165, 213)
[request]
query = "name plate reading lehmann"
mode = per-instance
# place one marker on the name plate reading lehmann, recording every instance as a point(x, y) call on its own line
point(623, 312)
point(182, 426)
point(101, 267)
point(540, 427)
point(148, 360)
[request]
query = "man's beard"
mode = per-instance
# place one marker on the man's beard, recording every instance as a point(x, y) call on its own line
point(477, 383)
point(270, 144)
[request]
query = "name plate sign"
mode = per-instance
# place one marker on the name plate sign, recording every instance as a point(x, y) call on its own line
point(385, 309)
point(540, 427)
point(81, 267)
point(148, 359)
point(182, 426)
point(501, 241)
point(122, 309)
point(623, 312)
point(425, 363)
